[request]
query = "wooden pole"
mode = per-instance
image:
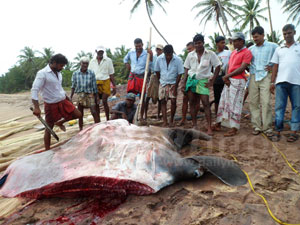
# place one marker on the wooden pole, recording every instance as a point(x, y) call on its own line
point(136, 116)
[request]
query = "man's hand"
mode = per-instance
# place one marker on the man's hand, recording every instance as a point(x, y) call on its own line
point(37, 112)
point(209, 83)
point(128, 67)
point(124, 116)
point(114, 90)
point(149, 51)
point(272, 88)
point(226, 80)
point(268, 68)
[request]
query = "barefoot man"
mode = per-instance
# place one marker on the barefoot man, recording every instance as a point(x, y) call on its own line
point(58, 107)
point(197, 79)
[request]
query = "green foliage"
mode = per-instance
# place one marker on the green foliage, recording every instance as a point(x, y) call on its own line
point(277, 38)
point(66, 78)
point(76, 64)
point(149, 4)
point(293, 8)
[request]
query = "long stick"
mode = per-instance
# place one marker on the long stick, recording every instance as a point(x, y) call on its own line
point(136, 116)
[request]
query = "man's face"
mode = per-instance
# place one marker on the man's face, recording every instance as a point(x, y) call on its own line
point(58, 66)
point(199, 45)
point(158, 51)
point(129, 103)
point(289, 35)
point(169, 56)
point(238, 44)
point(221, 45)
point(258, 38)
point(139, 47)
point(84, 66)
point(190, 48)
point(100, 54)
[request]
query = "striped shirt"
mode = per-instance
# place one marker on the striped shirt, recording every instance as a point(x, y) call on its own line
point(262, 56)
point(84, 82)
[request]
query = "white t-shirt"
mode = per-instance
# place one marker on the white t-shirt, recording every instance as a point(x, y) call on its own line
point(202, 70)
point(102, 70)
point(288, 60)
point(224, 56)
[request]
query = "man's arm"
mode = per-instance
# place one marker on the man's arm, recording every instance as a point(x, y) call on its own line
point(126, 61)
point(273, 78)
point(212, 80)
point(39, 81)
point(238, 71)
point(73, 85)
point(184, 79)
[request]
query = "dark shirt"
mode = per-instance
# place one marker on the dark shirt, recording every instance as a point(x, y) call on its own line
point(121, 106)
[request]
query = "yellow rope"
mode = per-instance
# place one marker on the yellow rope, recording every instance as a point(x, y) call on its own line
point(252, 188)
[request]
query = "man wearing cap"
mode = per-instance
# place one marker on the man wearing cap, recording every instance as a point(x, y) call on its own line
point(152, 91)
point(135, 62)
point(198, 78)
point(58, 107)
point(85, 86)
point(260, 82)
point(125, 109)
point(286, 81)
point(104, 71)
point(231, 102)
point(168, 68)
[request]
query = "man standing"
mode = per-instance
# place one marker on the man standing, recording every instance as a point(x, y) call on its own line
point(224, 56)
point(169, 69)
point(135, 62)
point(152, 91)
point(57, 104)
point(286, 72)
point(197, 79)
point(260, 81)
point(85, 86)
point(185, 101)
point(231, 102)
point(125, 109)
point(104, 71)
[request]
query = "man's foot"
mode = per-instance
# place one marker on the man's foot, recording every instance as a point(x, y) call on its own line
point(210, 132)
point(292, 137)
point(231, 132)
point(269, 134)
point(195, 127)
point(171, 124)
point(61, 126)
point(165, 125)
point(256, 132)
point(216, 127)
point(275, 138)
point(182, 122)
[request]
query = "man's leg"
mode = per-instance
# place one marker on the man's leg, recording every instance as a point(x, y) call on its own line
point(265, 101)
point(164, 112)
point(159, 109)
point(47, 136)
point(105, 104)
point(254, 105)
point(146, 107)
point(206, 105)
point(76, 114)
point(98, 105)
point(80, 120)
point(185, 104)
point(280, 106)
point(173, 110)
point(95, 114)
point(294, 94)
point(193, 100)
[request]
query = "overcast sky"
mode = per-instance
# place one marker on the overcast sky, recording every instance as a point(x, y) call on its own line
point(71, 26)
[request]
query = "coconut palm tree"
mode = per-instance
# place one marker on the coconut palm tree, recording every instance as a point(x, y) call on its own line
point(250, 14)
point(211, 10)
point(79, 56)
point(275, 37)
point(270, 20)
point(293, 8)
point(149, 7)
point(47, 53)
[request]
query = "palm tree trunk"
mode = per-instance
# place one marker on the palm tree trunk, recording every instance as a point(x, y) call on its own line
point(153, 23)
point(221, 28)
point(223, 16)
point(270, 20)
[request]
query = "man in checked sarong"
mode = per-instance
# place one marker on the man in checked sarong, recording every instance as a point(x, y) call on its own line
point(231, 102)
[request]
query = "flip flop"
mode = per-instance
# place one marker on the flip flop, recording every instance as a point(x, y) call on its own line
point(293, 138)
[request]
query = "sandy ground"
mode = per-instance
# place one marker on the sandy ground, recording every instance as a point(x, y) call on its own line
point(205, 201)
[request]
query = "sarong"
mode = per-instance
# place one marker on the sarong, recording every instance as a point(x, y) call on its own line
point(86, 100)
point(56, 111)
point(197, 86)
point(103, 86)
point(231, 104)
point(167, 92)
point(135, 83)
point(152, 91)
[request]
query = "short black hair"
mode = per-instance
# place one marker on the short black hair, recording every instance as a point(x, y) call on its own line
point(138, 41)
point(168, 49)
point(288, 27)
point(219, 38)
point(198, 37)
point(258, 30)
point(249, 44)
point(59, 59)
point(190, 43)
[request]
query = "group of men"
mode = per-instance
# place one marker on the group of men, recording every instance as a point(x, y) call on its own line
point(224, 70)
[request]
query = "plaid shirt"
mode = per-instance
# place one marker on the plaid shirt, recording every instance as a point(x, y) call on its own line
point(262, 56)
point(84, 82)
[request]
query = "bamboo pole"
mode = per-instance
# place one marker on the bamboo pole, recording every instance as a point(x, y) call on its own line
point(136, 116)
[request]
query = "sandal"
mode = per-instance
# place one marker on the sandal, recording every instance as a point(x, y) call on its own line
point(293, 137)
point(275, 138)
point(230, 133)
point(269, 134)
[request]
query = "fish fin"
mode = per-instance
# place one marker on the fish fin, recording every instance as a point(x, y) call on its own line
point(2, 180)
point(227, 171)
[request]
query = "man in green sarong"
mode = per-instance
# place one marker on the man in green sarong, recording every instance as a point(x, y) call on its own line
point(198, 78)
